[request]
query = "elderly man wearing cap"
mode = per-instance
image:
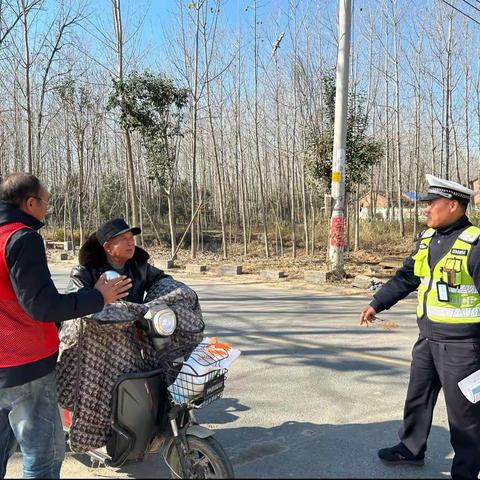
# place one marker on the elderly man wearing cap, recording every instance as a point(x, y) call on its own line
point(445, 269)
point(112, 247)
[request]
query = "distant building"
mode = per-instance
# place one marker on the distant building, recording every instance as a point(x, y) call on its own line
point(411, 197)
point(475, 186)
point(380, 200)
point(380, 204)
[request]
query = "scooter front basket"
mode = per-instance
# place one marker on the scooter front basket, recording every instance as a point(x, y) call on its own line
point(194, 376)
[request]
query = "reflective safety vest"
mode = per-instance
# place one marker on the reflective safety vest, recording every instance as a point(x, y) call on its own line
point(23, 339)
point(447, 292)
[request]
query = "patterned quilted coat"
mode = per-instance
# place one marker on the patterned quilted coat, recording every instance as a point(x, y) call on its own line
point(96, 351)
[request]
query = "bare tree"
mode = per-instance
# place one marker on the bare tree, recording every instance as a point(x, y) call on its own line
point(18, 12)
point(256, 127)
point(208, 79)
point(396, 20)
point(119, 43)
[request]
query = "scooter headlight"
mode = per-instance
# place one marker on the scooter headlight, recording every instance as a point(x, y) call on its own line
point(164, 322)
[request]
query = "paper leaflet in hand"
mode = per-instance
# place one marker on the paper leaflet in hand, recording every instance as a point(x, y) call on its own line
point(470, 387)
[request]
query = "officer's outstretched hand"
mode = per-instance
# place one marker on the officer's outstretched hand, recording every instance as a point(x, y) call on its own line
point(367, 316)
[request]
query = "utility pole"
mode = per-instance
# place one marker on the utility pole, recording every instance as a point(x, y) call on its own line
point(337, 225)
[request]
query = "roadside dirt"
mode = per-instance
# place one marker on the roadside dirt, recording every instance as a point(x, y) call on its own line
point(361, 262)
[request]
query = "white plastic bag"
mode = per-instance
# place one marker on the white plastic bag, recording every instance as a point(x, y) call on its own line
point(222, 355)
point(208, 357)
point(470, 387)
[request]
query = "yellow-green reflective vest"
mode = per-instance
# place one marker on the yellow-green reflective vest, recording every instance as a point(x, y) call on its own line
point(463, 305)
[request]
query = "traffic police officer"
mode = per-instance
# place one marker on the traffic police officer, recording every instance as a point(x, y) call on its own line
point(445, 269)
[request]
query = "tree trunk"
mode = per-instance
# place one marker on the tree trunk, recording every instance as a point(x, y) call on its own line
point(221, 193)
point(117, 22)
point(387, 131)
point(171, 219)
point(397, 112)
point(448, 96)
point(193, 180)
point(356, 243)
point(257, 147)
point(28, 93)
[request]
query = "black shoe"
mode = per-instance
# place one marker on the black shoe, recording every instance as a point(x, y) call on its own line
point(400, 455)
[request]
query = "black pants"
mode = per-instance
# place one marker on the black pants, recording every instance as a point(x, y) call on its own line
point(437, 365)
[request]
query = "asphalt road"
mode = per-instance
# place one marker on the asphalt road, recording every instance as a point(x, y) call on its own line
point(313, 394)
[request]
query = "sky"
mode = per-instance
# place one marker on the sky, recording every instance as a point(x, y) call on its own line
point(158, 17)
point(161, 14)
point(152, 24)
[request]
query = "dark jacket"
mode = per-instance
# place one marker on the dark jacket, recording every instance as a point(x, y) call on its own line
point(93, 262)
point(404, 282)
point(36, 292)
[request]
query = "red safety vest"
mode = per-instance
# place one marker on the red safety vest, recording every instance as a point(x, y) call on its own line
point(23, 339)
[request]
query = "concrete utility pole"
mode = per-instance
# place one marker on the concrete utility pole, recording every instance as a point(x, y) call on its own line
point(337, 225)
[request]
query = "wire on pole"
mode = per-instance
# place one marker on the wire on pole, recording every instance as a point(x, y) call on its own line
point(473, 6)
point(462, 12)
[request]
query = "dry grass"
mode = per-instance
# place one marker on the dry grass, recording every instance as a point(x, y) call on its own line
point(378, 240)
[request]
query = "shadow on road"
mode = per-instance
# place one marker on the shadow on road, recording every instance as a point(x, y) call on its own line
point(303, 449)
point(224, 411)
point(341, 360)
point(308, 450)
point(341, 357)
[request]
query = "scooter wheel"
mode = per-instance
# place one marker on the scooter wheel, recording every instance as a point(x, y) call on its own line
point(208, 459)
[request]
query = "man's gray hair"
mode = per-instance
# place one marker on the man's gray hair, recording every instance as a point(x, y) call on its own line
point(17, 187)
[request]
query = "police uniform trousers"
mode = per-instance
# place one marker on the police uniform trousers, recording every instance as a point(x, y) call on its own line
point(437, 365)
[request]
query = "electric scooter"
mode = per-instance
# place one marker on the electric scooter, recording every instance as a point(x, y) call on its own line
point(156, 409)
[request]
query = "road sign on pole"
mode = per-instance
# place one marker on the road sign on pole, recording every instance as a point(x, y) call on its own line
point(337, 225)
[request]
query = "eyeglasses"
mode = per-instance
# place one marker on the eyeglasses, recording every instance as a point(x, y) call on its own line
point(46, 202)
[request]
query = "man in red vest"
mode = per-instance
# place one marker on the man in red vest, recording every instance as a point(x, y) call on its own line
point(29, 307)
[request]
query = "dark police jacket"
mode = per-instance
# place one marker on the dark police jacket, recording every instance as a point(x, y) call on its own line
point(36, 292)
point(404, 282)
